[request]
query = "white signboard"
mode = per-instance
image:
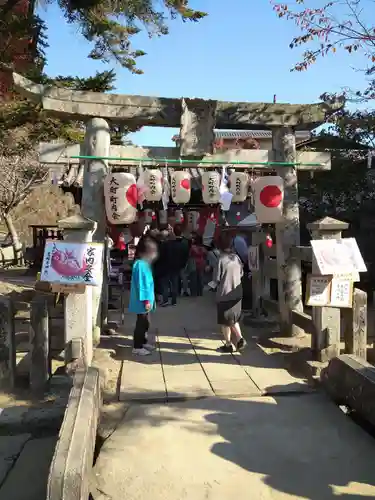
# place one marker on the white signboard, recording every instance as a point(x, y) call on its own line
point(341, 292)
point(253, 258)
point(318, 291)
point(71, 263)
point(338, 256)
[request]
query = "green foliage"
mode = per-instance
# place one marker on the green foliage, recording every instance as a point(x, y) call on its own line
point(24, 124)
point(341, 192)
point(109, 25)
point(347, 189)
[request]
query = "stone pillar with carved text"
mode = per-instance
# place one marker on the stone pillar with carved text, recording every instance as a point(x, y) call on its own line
point(78, 307)
point(326, 342)
point(288, 232)
point(97, 143)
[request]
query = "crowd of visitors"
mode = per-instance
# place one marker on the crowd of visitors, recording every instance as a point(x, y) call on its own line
point(170, 263)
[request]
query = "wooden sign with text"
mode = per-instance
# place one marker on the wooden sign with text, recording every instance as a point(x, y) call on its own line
point(253, 258)
point(329, 291)
point(65, 289)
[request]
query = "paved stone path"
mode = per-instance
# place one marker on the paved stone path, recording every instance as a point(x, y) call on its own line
point(234, 427)
point(187, 363)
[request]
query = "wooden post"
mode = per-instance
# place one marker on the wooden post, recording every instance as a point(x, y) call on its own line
point(105, 289)
point(355, 325)
point(97, 143)
point(326, 343)
point(40, 366)
point(288, 233)
point(7, 343)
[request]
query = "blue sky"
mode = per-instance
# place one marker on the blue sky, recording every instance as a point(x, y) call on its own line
point(236, 54)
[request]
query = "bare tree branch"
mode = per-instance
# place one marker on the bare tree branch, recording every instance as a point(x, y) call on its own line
point(20, 174)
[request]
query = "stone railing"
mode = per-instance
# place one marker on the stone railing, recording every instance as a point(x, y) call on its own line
point(70, 471)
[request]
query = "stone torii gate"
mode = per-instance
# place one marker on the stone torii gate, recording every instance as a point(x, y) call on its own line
point(197, 120)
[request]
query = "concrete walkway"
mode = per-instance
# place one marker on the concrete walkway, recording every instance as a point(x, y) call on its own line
point(255, 432)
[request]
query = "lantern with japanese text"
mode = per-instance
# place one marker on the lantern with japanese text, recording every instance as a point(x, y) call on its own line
point(239, 186)
point(268, 192)
point(211, 187)
point(180, 187)
point(153, 180)
point(121, 197)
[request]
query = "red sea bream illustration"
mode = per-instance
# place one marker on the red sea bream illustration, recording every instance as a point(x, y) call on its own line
point(65, 263)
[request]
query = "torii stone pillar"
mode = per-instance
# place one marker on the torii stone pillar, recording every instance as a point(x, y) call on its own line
point(97, 143)
point(288, 232)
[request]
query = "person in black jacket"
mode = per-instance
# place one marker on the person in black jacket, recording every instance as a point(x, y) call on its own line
point(174, 253)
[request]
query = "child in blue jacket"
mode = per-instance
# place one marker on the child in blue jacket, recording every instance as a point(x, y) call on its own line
point(142, 294)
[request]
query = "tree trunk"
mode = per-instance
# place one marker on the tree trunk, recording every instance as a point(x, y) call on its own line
point(13, 233)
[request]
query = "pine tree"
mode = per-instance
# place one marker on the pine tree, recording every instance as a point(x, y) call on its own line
point(110, 25)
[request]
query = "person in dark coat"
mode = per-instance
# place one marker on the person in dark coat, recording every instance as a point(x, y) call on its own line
point(175, 252)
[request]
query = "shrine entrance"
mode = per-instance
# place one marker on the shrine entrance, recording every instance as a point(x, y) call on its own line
point(195, 159)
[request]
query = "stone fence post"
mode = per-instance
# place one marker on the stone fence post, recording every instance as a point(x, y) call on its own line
point(40, 365)
point(7, 343)
point(78, 317)
point(326, 342)
point(355, 325)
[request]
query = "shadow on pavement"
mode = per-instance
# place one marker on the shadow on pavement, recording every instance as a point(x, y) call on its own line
point(301, 446)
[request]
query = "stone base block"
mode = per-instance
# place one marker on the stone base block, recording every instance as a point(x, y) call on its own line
point(351, 381)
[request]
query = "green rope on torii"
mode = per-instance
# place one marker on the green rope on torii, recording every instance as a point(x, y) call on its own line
point(182, 161)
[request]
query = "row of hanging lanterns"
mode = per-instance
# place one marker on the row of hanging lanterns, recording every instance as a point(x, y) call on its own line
point(123, 194)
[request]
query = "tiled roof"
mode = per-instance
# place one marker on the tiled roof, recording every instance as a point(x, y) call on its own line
point(254, 134)
point(250, 134)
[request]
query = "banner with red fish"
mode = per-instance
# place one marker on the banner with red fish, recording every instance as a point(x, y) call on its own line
point(70, 263)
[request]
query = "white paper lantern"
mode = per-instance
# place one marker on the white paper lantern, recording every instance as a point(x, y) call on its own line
point(239, 186)
point(268, 192)
point(154, 184)
point(211, 187)
point(121, 197)
point(180, 187)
